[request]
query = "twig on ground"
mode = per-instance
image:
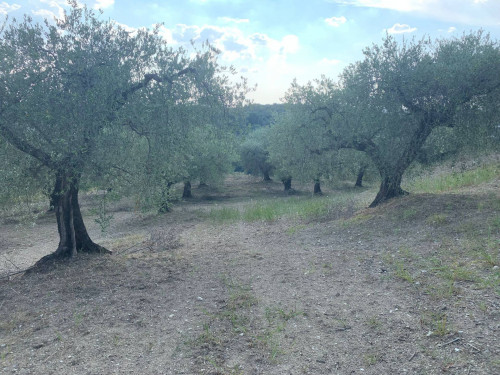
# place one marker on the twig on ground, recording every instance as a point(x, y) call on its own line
point(473, 347)
point(14, 273)
point(46, 359)
point(450, 342)
point(412, 356)
point(343, 328)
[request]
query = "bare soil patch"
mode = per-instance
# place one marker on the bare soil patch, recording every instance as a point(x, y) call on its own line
point(409, 287)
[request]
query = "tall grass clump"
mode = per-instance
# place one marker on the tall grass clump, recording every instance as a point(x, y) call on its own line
point(292, 207)
point(454, 180)
point(224, 214)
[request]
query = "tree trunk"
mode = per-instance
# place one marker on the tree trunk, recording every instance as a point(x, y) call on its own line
point(266, 176)
point(359, 179)
point(392, 176)
point(52, 205)
point(317, 188)
point(73, 235)
point(287, 184)
point(186, 193)
point(390, 187)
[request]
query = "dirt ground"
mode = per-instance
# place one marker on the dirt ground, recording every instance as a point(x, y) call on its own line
point(410, 287)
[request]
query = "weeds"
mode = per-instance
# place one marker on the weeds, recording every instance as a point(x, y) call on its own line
point(78, 318)
point(241, 316)
point(437, 220)
point(455, 180)
point(294, 229)
point(372, 358)
point(358, 219)
point(224, 214)
point(409, 213)
point(293, 207)
point(103, 218)
point(436, 322)
point(163, 239)
point(440, 290)
point(373, 322)
point(401, 272)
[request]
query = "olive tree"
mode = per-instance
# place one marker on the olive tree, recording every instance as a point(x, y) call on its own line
point(187, 131)
point(63, 87)
point(290, 143)
point(254, 153)
point(388, 104)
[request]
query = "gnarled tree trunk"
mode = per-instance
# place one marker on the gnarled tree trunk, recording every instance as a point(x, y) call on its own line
point(266, 176)
point(317, 187)
point(73, 235)
point(392, 176)
point(287, 184)
point(186, 193)
point(359, 179)
point(390, 187)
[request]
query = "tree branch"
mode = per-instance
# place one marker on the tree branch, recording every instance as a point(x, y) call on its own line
point(25, 147)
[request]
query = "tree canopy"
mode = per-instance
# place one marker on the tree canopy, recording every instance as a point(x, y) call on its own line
point(388, 104)
point(75, 96)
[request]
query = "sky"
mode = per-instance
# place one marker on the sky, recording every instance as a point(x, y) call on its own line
point(273, 42)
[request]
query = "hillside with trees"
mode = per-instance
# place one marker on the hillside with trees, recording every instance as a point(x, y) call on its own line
point(153, 220)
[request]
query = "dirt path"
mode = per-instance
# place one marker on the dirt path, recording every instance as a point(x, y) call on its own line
point(282, 297)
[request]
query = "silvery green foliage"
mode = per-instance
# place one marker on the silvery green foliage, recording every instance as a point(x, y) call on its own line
point(88, 99)
point(388, 104)
point(23, 180)
point(254, 153)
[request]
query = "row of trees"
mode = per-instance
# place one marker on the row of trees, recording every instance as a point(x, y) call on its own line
point(92, 104)
point(400, 99)
point(85, 103)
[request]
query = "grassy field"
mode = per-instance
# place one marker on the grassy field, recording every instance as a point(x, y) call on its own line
point(246, 280)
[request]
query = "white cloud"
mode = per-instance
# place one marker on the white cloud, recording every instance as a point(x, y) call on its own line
point(58, 5)
point(265, 60)
point(452, 29)
point(234, 20)
point(166, 34)
point(103, 4)
point(401, 5)
point(127, 28)
point(336, 21)
point(401, 29)
point(45, 13)
point(234, 43)
point(6, 8)
point(289, 44)
point(469, 12)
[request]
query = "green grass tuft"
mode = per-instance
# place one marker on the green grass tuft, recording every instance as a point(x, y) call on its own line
point(455, 180)
point(292, 207)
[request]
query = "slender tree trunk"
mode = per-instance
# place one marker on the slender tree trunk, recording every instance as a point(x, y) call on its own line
point(359, 179)
point(317, 187)
point(186, 193)
point(287, 184)
point(266, 176)
point(52, 204)
point(73, 235)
